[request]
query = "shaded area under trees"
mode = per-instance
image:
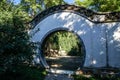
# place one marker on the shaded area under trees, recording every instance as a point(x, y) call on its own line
point(63, 48)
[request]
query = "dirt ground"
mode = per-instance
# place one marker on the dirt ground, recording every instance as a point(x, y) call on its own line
point(65, 62)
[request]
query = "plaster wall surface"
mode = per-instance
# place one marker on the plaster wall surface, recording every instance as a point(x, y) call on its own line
point(101, 41)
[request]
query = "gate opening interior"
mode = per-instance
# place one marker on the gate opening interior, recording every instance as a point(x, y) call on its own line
point(63, 50)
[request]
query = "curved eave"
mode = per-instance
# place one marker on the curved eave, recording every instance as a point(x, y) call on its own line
point(86, 13)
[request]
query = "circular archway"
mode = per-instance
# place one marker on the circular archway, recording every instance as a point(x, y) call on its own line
point(63, 49)
point(91, 27)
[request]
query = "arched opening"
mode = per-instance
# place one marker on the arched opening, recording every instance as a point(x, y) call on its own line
point(63, 50)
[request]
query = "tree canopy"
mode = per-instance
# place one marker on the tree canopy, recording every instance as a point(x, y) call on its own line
point(14, 42)
point(100, 5)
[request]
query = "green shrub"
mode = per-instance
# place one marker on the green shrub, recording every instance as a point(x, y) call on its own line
point(93, 77)
point(81, 77)
point(24, 73)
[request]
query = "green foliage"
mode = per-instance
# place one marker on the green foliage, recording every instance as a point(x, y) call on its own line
point(33, 7)
point(81, 77)
point(5, 5)
point(100, 5)
point(69, 42)
point(84, 3)
point(105, 5)
point(24, 72)
point(93, 77)
point(50, 3)
point(15, 47)
point(63, 41)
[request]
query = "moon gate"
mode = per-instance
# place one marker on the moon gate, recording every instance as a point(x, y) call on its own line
point(98, 31)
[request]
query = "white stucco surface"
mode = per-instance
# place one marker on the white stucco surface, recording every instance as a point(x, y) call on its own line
point(99, 39)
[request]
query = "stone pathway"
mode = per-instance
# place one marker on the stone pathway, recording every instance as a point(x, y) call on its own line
point(53, 76)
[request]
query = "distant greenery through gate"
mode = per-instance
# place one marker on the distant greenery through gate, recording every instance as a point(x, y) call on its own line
point(63, 48)
point(63, 41)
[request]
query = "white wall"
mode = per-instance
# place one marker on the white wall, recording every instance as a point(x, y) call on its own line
point(94, 37)
point(113, 30)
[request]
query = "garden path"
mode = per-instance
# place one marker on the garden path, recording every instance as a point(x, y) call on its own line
point(53, 76)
